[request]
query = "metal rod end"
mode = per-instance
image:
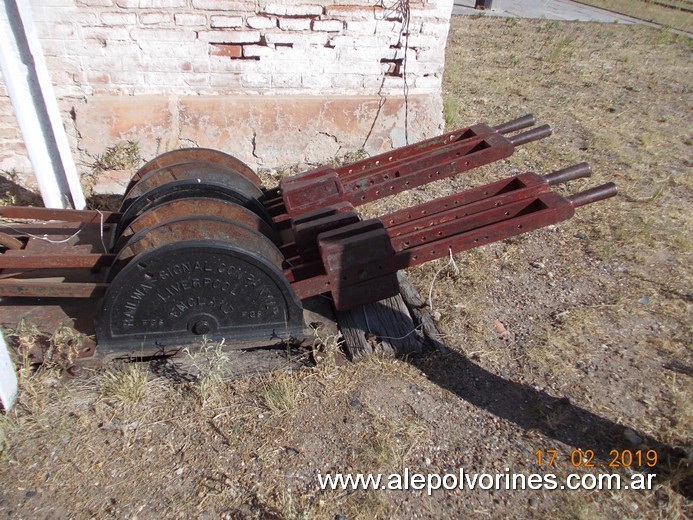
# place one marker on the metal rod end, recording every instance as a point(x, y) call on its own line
point(577, 171)
point(602, 192)
point(516, 124)
point(534, 134)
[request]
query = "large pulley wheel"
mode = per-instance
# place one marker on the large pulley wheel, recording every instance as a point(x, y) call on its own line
point(198, 172)
point(222, 281)
point(190, 180)
point(191, 208)
point(186, 155)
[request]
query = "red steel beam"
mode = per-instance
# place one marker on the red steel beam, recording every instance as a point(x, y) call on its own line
point(393, 172)
point(42, 289)
point(65, 215)
point(21, 259)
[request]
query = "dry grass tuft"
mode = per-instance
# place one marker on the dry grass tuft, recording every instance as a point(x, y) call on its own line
point(121, 156)
point(7, 428)
point(210, 366)
point(279, 393)
point(125, 383)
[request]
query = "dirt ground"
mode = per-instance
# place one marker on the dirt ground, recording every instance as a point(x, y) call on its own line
point(574, 337)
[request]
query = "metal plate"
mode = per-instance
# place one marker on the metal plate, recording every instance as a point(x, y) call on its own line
point(224, 282)
point(196, 155)
point(195, 207)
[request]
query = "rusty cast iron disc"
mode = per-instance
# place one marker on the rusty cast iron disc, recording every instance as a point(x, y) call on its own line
point(202, 180)
point(196, 155)
point(194, 207)
point(198, 171)
point(188, 278)
point(195, 228)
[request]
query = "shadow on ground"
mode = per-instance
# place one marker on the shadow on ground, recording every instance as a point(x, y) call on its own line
point(556, 418)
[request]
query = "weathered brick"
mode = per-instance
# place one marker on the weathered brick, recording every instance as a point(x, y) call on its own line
point(159, 64)
point(257, 51)
point(221, 22)
point(295, 24)
point(220, 5)
point(230, 36)
point(395, 83)
point(366, 42)
point(80, 18)
point(297, 39)
point(438, 28)
point(155, 18)
point(348, 81)
point(225, 81)
point(165, 35)
point(128, 4)
point(58, 30)
point(255, 80)
point(293, 10)
point(118, 18)
point(430, 83)
point(185, 19)
point(196, 80)
point(425, 68)
point(223, 65)
point(107, 63)
point(286, 80)
point(261, 22)
point(423, 55)
point(313, 81)
point(225, 49)
point(71, 63)
point(355, 12)
point(165, 79)
point(102, 78)
point(327, 25)
point(162, 4)
point(95, 3)
point(424, 40)
point(373, 27)
point(126, 77)
point(105, 34)
point(173, 49)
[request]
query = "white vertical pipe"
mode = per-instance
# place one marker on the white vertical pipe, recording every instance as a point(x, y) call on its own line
point(8, 377)
point(31, 91)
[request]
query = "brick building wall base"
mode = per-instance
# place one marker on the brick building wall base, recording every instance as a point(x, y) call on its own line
point(265, 132)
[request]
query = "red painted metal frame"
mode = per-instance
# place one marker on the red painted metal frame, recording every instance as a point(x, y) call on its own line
point(403, 169)
point(326, 245)
point(366, 252)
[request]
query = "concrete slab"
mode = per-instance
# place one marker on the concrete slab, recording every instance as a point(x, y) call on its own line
point(563, 10)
